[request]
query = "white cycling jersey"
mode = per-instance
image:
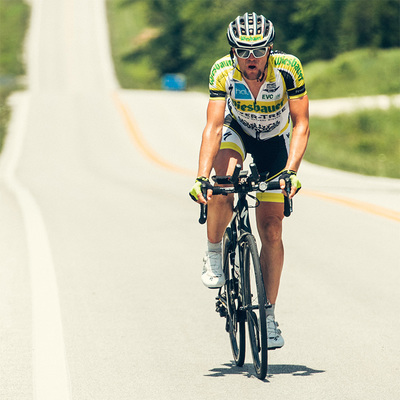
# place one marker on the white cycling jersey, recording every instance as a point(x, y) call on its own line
point(267, 115)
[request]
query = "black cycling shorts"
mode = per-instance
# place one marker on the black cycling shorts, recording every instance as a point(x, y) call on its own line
point(270, 156)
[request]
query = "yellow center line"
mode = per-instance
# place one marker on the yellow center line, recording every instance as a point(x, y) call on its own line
point(149, 153)
point(141, 143)
point(356, 204)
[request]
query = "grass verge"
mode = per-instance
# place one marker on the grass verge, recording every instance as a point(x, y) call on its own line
point(363, 72)
point(364, 142)
point(14, 16)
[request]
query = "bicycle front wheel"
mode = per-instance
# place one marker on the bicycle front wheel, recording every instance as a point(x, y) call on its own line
point(255, 302)
point(235, 319)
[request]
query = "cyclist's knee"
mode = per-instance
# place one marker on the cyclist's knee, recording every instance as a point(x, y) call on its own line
point(270, 229)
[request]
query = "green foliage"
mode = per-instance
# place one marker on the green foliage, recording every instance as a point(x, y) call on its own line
point(361, 72)
point(316, 33)
point(13, 22)
point(191, 35)
point(366, 142)
point(129, 35)
point(370, 23)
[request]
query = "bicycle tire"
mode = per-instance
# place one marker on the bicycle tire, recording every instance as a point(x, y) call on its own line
point(255, 301)
point(235, 318)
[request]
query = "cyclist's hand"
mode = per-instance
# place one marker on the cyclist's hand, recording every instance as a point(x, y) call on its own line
point(196, 191)
point(290, 176)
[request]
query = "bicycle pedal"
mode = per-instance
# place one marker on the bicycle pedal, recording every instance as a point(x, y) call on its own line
point(220, 309)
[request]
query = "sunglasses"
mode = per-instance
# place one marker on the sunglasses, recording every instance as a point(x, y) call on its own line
point(257, 53)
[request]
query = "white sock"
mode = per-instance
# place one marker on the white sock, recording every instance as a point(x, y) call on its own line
point(216, 247)
point(271, 310)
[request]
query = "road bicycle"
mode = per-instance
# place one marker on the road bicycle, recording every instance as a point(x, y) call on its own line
point(242, 298)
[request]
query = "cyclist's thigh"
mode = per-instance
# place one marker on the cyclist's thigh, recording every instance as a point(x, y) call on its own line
point(226, 160)
point(232, 152)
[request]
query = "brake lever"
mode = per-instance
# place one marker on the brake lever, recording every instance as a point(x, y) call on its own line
point(203, 207)
point(288, 203)
point(203, 214)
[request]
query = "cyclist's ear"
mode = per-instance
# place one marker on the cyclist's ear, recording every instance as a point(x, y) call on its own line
point(233, 57)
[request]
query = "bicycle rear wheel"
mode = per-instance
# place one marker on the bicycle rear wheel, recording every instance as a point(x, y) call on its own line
point(235, 318)
point(255, 302)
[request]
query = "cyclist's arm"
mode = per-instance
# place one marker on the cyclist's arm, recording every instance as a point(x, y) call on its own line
point(300, 133)
point(211, 138)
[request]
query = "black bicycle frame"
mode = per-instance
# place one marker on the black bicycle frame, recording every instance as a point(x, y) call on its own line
point(242, 214)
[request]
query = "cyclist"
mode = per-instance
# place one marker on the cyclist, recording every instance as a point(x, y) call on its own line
point(257, 100)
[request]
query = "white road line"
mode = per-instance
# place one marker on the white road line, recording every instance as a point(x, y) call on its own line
point(50, 374)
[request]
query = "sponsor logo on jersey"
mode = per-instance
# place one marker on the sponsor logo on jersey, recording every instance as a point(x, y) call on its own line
point(292, 62)
point(247, 106)
point(217, 67)
point(271, 87)
point(226, 135)
point(241, 92)
point(271, 96)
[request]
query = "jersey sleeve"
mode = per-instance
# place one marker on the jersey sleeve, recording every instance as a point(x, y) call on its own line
point(292, 71)
point(218, 75)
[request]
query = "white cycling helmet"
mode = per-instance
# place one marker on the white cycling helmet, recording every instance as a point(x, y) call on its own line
point(250, 30)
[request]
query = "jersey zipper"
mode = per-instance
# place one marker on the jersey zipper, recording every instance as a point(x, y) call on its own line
point(257, 131)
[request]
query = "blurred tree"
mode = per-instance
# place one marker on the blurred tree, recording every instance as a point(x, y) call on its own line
point(314, 31)
point(372, 23)
point(192, 34)
point(167, 48)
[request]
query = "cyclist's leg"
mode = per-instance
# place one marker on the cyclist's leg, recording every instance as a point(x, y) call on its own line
point(269, 222)
point(269, 217)
point(232, 152)
point(220, 207)
point(272, 157)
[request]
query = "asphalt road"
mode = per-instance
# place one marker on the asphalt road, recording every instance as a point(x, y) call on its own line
point(100, 250)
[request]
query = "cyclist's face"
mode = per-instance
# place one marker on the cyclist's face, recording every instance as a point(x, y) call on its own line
point(252, 68)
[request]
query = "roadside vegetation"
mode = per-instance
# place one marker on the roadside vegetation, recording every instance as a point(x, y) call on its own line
point(179, 36)
point(366, 142)
point(361, 72)
point(14, 16)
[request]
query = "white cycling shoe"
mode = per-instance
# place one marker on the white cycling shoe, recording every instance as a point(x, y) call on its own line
point(275, 339)
point(213, 276)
